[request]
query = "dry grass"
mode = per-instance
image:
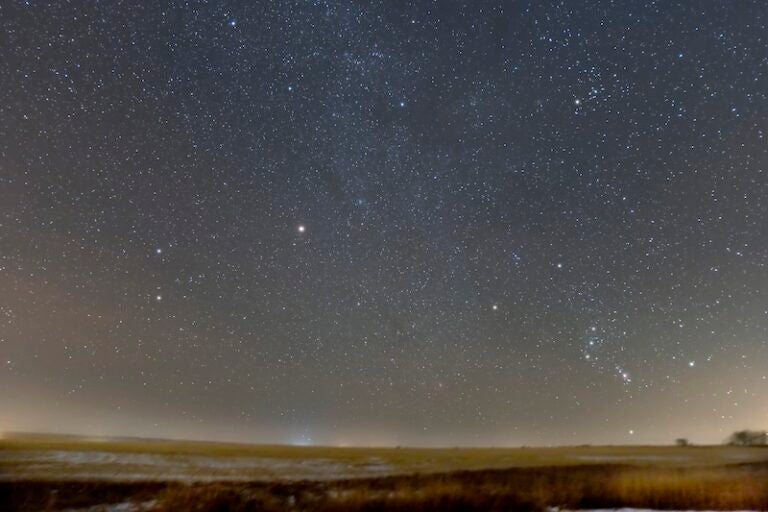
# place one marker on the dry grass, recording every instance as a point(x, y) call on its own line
point(712, 478)
point(731, 488)
point(740, 487)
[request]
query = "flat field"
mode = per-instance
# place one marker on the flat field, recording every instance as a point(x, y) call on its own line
point(57, 473)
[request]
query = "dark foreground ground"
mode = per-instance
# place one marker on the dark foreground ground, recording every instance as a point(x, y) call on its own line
point(727, 487)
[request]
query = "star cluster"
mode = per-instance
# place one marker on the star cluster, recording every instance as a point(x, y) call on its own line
point(381, 223)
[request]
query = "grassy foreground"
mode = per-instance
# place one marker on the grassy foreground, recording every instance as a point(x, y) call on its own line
point(498, 490)
point(743, 487)
point(690, 478)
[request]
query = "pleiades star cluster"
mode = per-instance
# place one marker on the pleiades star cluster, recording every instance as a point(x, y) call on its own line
point(384, 223)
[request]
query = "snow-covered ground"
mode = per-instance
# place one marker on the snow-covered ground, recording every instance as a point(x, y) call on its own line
point(191, 462)
point(143, 466)
point(126, 506)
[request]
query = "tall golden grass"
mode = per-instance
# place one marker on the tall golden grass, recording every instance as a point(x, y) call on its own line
point(727, 488)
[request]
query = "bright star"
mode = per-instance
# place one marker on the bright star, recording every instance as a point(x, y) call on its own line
point(159, 298)
point(495, 307)
point(302, 228)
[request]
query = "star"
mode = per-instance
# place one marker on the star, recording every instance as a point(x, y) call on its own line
point(439, 184)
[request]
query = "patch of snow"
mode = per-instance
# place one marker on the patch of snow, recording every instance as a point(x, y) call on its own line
point(126, 506)
point(141, 466)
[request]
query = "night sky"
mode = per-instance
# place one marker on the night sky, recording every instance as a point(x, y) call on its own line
point(350, 222)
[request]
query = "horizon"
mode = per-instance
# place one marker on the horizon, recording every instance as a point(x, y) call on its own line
point(53, 436)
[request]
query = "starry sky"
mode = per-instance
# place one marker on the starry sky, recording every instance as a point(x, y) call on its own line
point(384, 223)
